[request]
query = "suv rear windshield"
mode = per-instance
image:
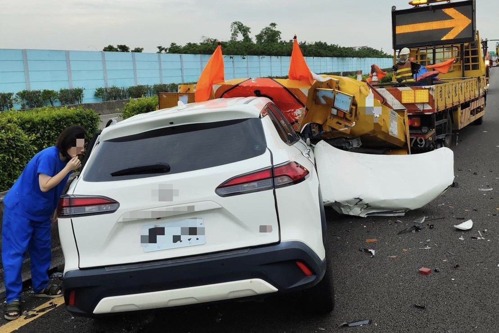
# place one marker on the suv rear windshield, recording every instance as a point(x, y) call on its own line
point(176, 149)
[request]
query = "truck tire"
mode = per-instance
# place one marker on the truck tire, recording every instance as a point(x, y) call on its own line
point(479, 121)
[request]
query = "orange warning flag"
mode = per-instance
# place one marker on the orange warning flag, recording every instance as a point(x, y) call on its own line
point(442, 67)
point(213, 73)
point(298, 68)
point(380, 74)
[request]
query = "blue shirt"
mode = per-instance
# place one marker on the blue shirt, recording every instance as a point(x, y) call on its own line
point(25, 195)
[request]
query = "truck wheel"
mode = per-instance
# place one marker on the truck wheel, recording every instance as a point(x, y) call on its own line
point(447, 140)
point(479, 121)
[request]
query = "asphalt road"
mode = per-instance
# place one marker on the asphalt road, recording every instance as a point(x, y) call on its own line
point(460, 294)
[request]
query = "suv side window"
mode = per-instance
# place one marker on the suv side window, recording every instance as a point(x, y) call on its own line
point(282, 125)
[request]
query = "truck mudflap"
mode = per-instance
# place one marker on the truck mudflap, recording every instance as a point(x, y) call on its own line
point(383, 185)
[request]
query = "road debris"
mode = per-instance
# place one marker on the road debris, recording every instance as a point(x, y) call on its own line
point(371, 240)
point(425, 271)
point(480, 237)
point(355, 323)
point(420, 220)
point(486, 189)
point(371, 251)
point(467, 225)
point(420, 306)
point(414, 228)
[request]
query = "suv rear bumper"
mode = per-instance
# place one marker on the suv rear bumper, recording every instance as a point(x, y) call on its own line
point(150, 285)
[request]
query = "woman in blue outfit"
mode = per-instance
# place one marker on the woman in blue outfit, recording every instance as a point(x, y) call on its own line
point(28, 209)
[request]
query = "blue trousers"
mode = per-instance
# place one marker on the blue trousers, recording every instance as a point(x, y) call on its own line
point(21, 235)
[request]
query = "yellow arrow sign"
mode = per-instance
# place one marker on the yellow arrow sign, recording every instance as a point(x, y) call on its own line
point(458, 23)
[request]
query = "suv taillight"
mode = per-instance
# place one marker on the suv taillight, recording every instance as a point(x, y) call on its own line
point(83, 205)
point(261, 180)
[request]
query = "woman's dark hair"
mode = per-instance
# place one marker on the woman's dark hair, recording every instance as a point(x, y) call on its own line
point(67, 139)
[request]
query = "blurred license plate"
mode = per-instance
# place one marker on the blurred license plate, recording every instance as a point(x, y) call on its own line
point(172, 235)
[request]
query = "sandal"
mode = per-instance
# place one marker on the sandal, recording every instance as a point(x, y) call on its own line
point(12, 310)
point(51, 291)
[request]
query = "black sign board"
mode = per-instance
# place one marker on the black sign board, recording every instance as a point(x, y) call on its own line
point(451, 23)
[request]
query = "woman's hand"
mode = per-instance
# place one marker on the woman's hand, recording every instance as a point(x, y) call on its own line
point(74, 163)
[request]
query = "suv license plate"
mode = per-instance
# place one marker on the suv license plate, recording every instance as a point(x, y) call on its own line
point(172, 235)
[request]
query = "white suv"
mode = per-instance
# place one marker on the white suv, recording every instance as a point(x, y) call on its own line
point(203, 202)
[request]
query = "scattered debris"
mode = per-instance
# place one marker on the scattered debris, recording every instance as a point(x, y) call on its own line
point(371, 251)
point(29, 314)
point(479, 237)
point(425, 271)
point(420, 306)
point(486, 189)
point(461, 238)
point(425, 248)
point(371, 240)
point(467, 225)
point(414, 228)
point(420, 220)
point(51, 306)
point(436, 270)
point(456, 266)
point(355, 323)
point(431, 226)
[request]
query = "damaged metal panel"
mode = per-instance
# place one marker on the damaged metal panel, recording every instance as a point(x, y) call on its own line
point(364, 184)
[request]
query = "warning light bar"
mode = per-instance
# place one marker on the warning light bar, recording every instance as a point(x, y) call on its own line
point(417, 3)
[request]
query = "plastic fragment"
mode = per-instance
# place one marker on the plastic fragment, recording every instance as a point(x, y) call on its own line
point(371, 240)
point(478, 237)
point(466, 225)
point(485, 189)
point(425, 271)
point(421, 220)
point(371, 251)
point(420, 306)
point(356, 323)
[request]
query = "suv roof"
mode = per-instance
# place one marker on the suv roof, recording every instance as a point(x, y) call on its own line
point(213, 110)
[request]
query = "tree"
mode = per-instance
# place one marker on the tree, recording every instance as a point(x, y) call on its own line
point(174, 48)
point(138, 49)
point(110, 48)
point(237, 28)
point(123, 48)
point(161, 49)
point(269, 35)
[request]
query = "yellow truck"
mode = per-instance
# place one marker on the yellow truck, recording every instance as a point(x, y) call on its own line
point(393, 117)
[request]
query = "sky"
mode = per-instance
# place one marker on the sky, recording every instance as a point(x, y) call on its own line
point(90, 25)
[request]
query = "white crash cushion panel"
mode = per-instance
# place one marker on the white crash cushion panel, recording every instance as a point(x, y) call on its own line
point(364, 184)
point(184, 296)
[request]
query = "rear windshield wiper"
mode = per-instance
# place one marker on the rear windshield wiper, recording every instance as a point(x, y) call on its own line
point(143, 169)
